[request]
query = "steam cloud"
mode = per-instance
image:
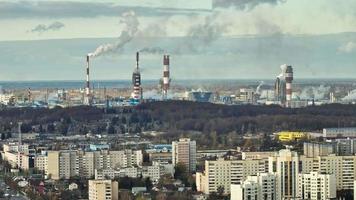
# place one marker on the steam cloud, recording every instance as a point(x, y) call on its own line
point(350, 97)
point(283, 70)
point(317, 93)
point(348, 47)
point(131, 24)
point(152, 50)
point(243, 4)
point(55, 26)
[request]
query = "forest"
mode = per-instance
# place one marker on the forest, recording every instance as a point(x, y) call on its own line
point(176, 117)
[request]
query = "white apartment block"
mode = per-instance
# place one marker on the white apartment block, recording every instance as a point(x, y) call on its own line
point(66, 164)
point(185, 151)
point(342, 167)
point(222, 173)
point(103, 190)
point(285, 165)
point(153, 172)
point(315, 186)
point(41, 163)
point(260, 187)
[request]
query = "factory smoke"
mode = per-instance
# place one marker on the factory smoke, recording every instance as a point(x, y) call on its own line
point(41, 28)
point(205, 33)
point(258, 89)
point(131, 24)
point(152, 50)
point(351, 96)
point(243, 4)
point(283, 70)
point(317, 93)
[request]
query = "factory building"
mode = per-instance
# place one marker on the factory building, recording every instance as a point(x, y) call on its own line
point(349, 132)
point(287, 136)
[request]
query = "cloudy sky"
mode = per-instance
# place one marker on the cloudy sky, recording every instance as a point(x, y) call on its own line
point(206, 38)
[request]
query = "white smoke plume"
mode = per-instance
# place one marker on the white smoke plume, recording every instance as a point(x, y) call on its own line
point(131, 24)
point(317, 93)
point(258, 89)
point(348, 47)
point(350, 97)
point(283, 70)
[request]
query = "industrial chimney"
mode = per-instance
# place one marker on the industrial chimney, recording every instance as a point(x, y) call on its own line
point(166, 79)
point(87, 97)
point(136, 81)
point(289, 79)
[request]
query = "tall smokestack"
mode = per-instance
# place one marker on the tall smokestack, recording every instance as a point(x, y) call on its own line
point(166, 79)
point(136, 81)
point(289, 79)
point(87, 99)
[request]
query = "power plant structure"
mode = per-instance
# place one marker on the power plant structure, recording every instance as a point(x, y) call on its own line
point(136, 82)
point(87, 97)
point(165, 83)
point(283, 86)
point(289, 80)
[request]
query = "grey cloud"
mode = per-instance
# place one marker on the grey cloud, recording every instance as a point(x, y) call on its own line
point(55, 26)
point(243, 4)
point(25, 9)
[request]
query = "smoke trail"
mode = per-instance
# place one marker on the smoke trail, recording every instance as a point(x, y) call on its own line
point(202, 35)
point(131, 23)
point(243, 4)
point(152, 50)
point(55, 26)
point(258, 89)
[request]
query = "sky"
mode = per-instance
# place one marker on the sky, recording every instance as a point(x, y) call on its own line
point(234, 39)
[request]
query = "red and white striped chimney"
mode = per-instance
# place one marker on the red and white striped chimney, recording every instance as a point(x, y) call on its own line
point(87, 100)
point(289, 79)
point(166, 79)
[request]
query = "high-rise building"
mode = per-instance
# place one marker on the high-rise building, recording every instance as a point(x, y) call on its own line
point(184, 151)
point(62, 164)
point(103, 190)
point(285, 165)
point(315, 186)
point(259, 187)
point(222, 173)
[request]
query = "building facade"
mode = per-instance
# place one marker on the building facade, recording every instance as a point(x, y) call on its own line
point(184, 151)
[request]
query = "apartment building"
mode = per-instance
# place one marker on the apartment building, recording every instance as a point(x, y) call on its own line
point(260, 187)
point(285, 165)
point(103, 190)
point(222, 173)
point(315, 186)
point(184, 151)
point(66, 164)
point(342, 167)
